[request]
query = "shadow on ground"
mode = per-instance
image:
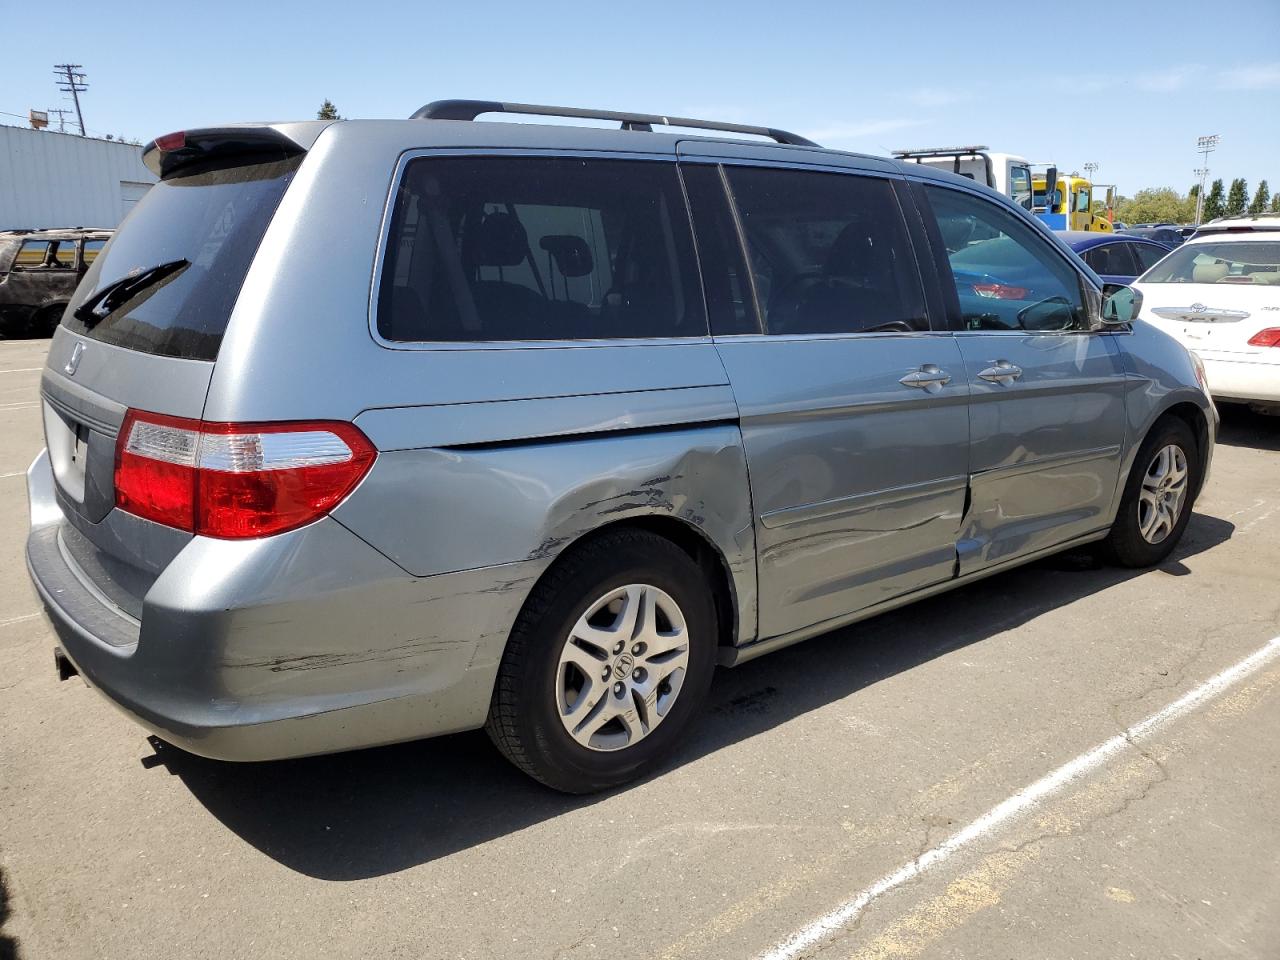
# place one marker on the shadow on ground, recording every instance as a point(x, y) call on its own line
point(1241, 427)
point(375, 812)
point(8, 946)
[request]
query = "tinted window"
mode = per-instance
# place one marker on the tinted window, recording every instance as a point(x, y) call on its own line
point(522, 248)
point(1007, 276)
point(1111, 259)
point(725, 282)
point(1082, 201)
point(1148, 255)
point(829, 252)
point(212, 218)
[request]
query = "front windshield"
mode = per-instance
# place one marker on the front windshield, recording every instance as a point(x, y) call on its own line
point(1231, 262)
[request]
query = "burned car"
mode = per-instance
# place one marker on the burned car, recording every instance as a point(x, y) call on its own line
point(39, 270)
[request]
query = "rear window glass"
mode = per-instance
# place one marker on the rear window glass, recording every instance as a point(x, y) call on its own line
point(214, 220)
point(1228, 262)
point(525, 248)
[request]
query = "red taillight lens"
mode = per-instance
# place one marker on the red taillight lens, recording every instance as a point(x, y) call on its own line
point(172, 141)
point(1000, 291)
point(236, 480)
point(1269, 337)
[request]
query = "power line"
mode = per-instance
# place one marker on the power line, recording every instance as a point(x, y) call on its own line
point(62, 118)
point(71, 80)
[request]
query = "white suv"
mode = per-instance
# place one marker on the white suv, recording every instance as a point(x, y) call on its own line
point(1219, 295)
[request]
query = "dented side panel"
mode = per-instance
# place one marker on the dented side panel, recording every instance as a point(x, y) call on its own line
point(460, 509)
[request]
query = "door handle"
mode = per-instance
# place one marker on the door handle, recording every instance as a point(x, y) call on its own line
point(929, 377)
point(1003, 372)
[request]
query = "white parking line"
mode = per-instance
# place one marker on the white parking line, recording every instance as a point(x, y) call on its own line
point(23, 370)
point(839, 918)
point(16, 406)
point(23, 619)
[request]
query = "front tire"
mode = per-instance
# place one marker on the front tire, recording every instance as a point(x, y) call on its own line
point(1156, 505)
point(607, 664)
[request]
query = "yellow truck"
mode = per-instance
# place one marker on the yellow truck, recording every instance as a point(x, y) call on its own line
point(1071, 205)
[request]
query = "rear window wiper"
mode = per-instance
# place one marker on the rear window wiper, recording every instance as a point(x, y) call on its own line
point(105, 300)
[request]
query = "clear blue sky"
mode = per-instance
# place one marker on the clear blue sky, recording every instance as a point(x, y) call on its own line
point(1127, 84)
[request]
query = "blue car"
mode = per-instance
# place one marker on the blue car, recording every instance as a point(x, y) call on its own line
point(1115, 257)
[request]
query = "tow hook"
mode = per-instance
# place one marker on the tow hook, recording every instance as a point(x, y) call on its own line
point(66, 669)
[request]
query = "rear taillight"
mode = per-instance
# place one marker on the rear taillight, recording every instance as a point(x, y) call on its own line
point(1000, 291)
point(235, 480)
point(1269, 337)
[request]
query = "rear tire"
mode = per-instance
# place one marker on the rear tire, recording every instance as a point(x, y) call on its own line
point(45, 323)
point(629, 604)
point(1156, 505)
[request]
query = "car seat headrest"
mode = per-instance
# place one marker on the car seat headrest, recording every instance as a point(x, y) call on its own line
point(498, 240)
point(571, 254)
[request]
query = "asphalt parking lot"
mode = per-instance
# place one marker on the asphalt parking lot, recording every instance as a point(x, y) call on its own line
point(1064, 761)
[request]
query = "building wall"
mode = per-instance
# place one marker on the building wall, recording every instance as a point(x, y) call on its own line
point(52, 179)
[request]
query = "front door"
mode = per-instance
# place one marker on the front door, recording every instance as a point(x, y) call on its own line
point(853, 410)
point(1047, 393)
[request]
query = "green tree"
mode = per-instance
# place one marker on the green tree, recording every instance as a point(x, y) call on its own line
point(1275, 203)
point(1154, 204)
point(1237, 197)
point(1213, 203)
point(327, 111)
point(1261, 198)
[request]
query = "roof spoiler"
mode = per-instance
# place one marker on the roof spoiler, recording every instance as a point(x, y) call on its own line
point(165, 155)
point(470, 109)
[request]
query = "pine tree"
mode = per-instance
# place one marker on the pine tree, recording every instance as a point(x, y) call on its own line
point(1260, 199)
point(1275, 203)
point(1213, 205)
point(327, 111)
point(1237, 197)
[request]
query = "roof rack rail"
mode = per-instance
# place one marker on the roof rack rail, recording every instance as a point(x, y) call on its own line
point(470, 109)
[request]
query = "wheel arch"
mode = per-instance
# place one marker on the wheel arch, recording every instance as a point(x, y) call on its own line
point(691, 539)
point(1198, 421)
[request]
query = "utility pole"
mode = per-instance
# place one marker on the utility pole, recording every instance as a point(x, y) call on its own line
point(62, 119)
point(1205, 146)
point(71, 80)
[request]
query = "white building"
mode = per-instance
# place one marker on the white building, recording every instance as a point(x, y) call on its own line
point(50, 179)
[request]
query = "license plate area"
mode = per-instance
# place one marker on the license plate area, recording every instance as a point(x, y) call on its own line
point(68, 442)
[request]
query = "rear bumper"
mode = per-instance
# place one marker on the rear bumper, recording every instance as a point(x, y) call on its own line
point(1243, 380)
point(309, 642)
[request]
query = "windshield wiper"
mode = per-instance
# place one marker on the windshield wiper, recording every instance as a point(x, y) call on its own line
point(106, 300)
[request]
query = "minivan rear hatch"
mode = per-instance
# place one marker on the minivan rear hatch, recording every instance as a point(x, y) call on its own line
point(144, 327)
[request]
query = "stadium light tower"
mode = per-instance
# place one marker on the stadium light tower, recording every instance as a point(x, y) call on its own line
point(1205, 146)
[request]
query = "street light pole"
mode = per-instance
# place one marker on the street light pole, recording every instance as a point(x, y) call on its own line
point(1205, 146)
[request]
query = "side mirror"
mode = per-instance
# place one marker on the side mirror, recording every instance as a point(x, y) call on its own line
point(1050, 188)
point(1120, 304)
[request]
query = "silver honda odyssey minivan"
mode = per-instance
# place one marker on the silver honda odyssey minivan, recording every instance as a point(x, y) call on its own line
point(365, 431)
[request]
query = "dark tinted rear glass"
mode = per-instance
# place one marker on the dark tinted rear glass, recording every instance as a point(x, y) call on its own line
point(533, 248)
point(213, 218)
point(829, 251)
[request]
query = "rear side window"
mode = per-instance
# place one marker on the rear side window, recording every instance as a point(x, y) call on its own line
point(1111, 259)
point(1148, 255)
point(829, 252)
point(538, 248)
point(206, 221)
point(91, 250)
point(32, 254)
